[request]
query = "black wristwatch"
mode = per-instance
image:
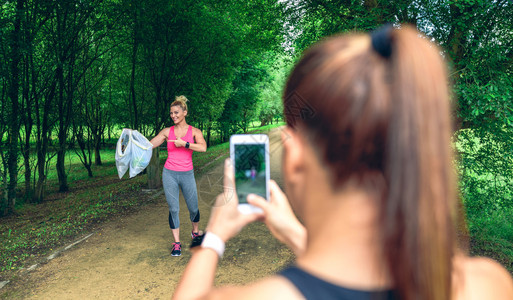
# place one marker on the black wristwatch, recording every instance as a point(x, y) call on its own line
point(187, 145)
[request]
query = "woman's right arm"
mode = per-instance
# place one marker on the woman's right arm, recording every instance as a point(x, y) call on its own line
point(160, 138)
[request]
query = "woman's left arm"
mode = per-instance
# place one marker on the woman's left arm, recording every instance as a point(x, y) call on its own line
point(199, 144)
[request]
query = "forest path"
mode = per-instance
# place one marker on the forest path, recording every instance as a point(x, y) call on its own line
point(130, 256)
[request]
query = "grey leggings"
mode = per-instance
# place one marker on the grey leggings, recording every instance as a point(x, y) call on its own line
point(172, 180)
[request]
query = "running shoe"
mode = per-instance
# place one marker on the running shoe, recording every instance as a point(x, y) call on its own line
point(177, 249)
point(196, 234)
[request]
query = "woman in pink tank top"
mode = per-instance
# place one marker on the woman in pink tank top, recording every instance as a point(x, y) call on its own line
point(178, 173)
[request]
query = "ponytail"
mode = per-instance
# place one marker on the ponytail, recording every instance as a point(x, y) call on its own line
point(416, 216)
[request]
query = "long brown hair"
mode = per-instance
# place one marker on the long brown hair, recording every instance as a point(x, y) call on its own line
point(389, 117)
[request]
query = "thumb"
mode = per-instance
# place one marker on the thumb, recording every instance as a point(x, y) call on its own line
point(258, 202)
point(275, 188)
point(249, 218)
point(229, 176)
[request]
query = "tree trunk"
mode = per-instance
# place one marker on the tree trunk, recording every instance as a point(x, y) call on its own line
point(455, 37)
point(158, 117)
point(39, 191)
point(89, 171)
point(26, 164)
point(153, 170)
point(14, 124)
point(133, 102)
point(84, 144)
point(29, 122)
point(60, 166)
point(97, 157)
point(61, 150)
point(98, 131)
point(42, 134)
point(209, 133)
point(5, 200)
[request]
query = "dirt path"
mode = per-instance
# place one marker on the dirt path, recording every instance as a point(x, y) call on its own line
point(129, 257)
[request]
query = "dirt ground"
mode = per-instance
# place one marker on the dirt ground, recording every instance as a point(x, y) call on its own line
point(129, 257)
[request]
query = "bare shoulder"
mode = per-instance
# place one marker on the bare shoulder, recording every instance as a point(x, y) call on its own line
point(198, 136)
point(483, 278)
point(164, 132)
point(275, 287)
point(196, 130)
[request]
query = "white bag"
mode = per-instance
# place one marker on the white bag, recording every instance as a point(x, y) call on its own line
point(123, 150)
point(133, 151)
point(140, 153)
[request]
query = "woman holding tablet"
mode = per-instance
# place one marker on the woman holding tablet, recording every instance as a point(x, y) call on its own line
point(368, 168)
point(178, 173)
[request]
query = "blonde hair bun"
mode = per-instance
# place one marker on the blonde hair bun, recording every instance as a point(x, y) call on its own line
point(180, 101)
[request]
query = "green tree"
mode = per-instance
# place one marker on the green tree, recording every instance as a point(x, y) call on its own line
point(476, 39)
point(12, 103)
point(240, 108)
point(76, 69)
point(270, 105)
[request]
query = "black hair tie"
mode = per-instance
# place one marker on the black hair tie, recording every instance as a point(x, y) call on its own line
point(381, 40)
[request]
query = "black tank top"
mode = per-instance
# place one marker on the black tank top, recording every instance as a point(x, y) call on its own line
point(315, 288)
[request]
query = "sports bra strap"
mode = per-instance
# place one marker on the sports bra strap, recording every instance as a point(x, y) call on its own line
point(315, 288)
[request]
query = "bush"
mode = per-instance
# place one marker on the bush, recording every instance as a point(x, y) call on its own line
point(486, 185)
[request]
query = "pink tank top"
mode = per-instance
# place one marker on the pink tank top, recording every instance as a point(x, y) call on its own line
point(179, 159)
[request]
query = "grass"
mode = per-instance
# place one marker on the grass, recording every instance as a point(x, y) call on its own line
point(212, 153)
point(35, 230)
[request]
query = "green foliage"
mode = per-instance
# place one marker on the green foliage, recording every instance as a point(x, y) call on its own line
point(492, 236)
point(192, 48)
point(485, 171)
point(486, 103)
point(89, 67)
point(241, 106)
point(476, 37)
point(486, 185)
point(271, 106)
point(318, 19)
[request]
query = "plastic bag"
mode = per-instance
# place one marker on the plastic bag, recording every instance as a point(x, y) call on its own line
point(133, 151)
point(141, 153)
point(123, 150)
